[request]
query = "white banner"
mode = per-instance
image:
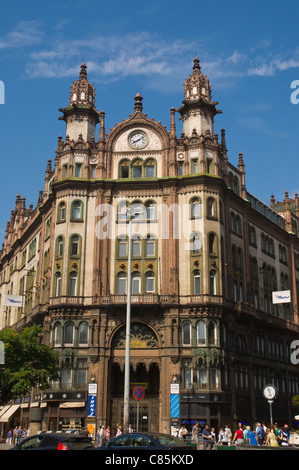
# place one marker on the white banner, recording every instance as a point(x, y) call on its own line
point(281, 297)
point(13, 301)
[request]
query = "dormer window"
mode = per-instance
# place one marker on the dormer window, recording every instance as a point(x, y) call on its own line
point(82, 96)
point(74, 96)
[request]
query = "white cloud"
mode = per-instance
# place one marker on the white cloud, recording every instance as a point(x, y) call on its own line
point(111, 58)
point(24, 34)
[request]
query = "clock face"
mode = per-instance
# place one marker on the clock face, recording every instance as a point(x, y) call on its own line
point(137, 139)
point(269, 392)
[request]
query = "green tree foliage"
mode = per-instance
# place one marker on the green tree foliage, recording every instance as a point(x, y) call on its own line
point(295, 400)
point(28, 363)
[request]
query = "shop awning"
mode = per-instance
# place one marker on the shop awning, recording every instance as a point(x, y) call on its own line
point(12, 409)
point(72, 404)
point(4, 409)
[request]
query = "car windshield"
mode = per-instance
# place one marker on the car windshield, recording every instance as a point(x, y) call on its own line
point(166, 440)
point(77, 444)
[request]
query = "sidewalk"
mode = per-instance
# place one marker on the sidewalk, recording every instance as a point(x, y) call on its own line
point(4, 446)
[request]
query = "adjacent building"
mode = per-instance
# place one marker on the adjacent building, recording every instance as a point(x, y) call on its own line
point(206, 256)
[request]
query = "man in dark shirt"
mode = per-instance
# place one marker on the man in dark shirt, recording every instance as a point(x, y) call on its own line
point(207, 438)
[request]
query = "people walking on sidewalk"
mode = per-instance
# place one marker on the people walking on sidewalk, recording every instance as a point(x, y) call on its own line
point(238, 437)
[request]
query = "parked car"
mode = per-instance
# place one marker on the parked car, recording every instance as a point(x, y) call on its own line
point(142, 440)
point(56, 441)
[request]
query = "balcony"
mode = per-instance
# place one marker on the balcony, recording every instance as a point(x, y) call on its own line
point(117, 299)
point(202, 387)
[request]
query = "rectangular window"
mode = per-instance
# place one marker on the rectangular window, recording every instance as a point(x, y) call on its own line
point(150, 284)
point(150, 247)
point(136, 248)
point(82, 376)
point(58, 286)
point(136, 285)
point(194, 166)
point(209, 165)
point(122, 248)
point(197, 284)
point(73, 284)
point(150, 171)
point(64, 171)
point(78, 170)
point(122, 285)
point(137, 171)
point(124, 172)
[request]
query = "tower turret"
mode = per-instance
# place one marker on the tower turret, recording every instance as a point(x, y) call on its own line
point(198, 109)
point(81, 116)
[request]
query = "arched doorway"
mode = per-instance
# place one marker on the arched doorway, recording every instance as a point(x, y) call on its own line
point(144, 371)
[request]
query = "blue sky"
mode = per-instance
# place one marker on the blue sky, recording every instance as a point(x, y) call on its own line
point(249, 51)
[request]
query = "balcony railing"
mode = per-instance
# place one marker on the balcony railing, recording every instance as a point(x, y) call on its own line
point(137, 299)
point(194, 388)
point(68, 386)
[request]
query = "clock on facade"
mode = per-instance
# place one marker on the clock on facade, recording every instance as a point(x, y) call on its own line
point(138, 139)
point(270, 392)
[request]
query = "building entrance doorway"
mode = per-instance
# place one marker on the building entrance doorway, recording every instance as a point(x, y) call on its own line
point(148, 415)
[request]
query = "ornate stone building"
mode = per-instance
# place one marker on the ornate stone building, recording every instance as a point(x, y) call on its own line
point(206, 256)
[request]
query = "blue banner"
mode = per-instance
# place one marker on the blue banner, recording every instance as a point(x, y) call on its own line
point(175, 405)
point(92, 405)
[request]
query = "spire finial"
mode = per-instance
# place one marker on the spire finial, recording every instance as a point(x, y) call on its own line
point(138, 102)
point(196, 63)
point(83, 72)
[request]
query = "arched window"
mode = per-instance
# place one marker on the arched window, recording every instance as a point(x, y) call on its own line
point(73, 284)
point(150, 282)
point(150, 210)
point(61, 213)
point(122, 210)
point(211, 207)
point(68, 333)
point(59, 247)
point(212, 336)
point(66, 374)
point(57, 284)
point(196, 243)
point(150, 246)
point(122, 246)
point(138, 210)
point(201, 332)
point(186, 334)
point(137, 168)
point(196, 282)
point(124, 169)
point(136, 283)
point(57, 334)
point(75, 240)
point(195, 208)
point(150, 168)
point(83, 333)
point(77, 210)
point(212, 243)
point(212, 282)
point(121, 283)
point(136, 246)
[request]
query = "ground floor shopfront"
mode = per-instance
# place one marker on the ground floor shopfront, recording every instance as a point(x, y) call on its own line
point(70, 411)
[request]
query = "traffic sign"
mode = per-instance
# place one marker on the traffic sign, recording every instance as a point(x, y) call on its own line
point(138, 393)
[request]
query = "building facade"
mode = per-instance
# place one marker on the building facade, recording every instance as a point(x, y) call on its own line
point(206, 256)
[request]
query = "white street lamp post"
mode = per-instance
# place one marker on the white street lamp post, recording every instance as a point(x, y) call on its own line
point(128, 331)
